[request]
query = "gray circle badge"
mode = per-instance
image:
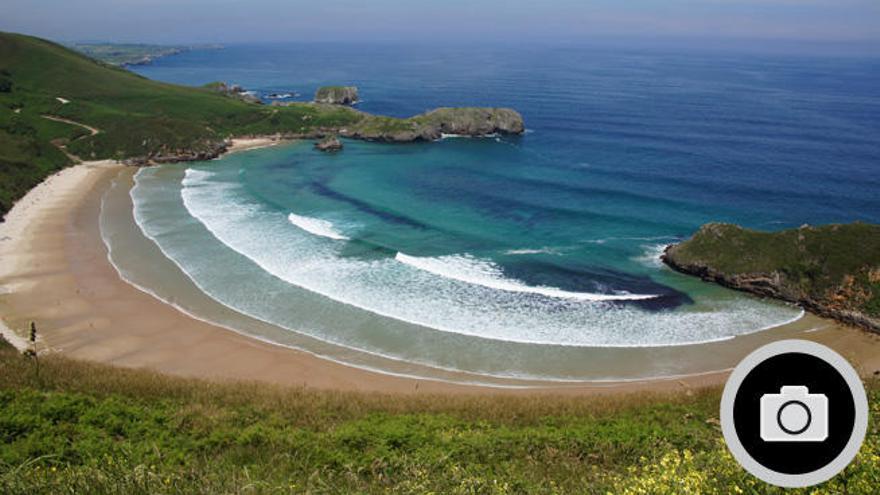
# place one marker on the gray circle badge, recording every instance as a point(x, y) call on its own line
point(794, 413)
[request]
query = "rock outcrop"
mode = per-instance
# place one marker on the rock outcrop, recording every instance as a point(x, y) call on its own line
point(430, 126)
point(337, 95)
point(234, 91)
point(471, 122)
point(201, 151)
point(832, 270)
point(329, 144)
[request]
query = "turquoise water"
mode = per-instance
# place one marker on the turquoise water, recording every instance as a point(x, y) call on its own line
point(516, 256)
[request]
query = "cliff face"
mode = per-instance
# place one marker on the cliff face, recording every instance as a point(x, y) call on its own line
point(832, 270)
point(337, 95)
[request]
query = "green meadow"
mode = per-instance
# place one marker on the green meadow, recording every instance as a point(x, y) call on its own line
point(75, 427)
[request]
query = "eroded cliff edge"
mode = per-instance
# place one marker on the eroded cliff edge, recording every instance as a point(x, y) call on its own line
point(831, 270)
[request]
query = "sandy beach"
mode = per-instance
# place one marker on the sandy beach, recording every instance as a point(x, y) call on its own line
point(56, 272)
point(244, 144)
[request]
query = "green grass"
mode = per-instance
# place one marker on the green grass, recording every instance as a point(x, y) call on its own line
point(26, 154)
point(80, 427)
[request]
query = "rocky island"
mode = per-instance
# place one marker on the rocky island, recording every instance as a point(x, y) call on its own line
point(337, 95)
point(831, 270)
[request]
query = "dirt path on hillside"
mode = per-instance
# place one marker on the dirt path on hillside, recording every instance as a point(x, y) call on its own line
point(63, 147)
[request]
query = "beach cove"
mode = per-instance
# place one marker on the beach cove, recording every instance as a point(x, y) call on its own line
point(527, 257)
point(60, 277)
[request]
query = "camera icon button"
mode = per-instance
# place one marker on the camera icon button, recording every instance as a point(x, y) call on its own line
point(794, 413)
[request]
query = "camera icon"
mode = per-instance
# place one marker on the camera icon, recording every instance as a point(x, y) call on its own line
point(794, 415)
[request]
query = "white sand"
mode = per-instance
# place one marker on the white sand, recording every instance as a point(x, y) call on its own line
point(24, 215)
point(242, 144)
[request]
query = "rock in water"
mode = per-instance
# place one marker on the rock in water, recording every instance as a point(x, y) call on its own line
point(329, 144)
point(337, 95)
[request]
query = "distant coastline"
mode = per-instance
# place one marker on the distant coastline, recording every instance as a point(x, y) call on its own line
point(129, 54)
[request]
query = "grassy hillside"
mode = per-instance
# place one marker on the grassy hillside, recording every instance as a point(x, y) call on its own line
point(75, 427)
point(136, 115)
point(26, 154)
point(833, 269)
point(139, 118)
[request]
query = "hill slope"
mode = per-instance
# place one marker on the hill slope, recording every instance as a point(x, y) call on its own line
point(137, 116)
point(832, 270)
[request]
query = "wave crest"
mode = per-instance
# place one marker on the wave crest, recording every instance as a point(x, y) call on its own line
point(472, 270)
point(316, 226)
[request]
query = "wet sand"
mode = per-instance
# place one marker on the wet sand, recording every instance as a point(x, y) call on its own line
point(55, 272)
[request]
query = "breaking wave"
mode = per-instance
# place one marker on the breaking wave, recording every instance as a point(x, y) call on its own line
point(471, 270)
point(459, 294)
point(316, 226)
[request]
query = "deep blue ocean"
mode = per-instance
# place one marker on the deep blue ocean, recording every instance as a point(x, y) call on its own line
point(503, 250)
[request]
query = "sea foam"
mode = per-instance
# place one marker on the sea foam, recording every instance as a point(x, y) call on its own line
point(467, 297)
point(316, 226)
point(651, 255)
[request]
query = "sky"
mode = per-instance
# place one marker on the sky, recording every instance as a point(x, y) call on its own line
point(231, 21)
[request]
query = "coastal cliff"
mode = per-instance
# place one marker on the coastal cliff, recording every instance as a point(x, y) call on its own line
point(831, 270)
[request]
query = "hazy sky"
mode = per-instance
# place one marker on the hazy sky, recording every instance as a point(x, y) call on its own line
point(175, 21)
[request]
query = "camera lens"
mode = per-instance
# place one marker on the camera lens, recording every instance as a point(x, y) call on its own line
point(794, 417)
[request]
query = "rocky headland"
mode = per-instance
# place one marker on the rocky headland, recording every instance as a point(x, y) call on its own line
point(831, 270)
point(430, 126)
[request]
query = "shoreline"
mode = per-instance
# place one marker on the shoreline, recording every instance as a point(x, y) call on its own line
point(252, 143)
point(60, 277)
